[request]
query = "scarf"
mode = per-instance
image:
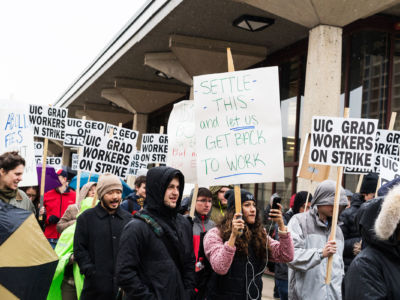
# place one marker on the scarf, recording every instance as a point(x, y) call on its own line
point(7, 194)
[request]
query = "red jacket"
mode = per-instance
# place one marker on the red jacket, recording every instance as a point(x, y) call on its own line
point(55, 205)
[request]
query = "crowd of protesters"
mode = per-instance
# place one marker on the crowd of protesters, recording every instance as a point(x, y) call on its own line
point(148, 246)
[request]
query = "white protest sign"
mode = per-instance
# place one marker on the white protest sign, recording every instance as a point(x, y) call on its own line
point(75, 161)
point(182, 140)
point(77, 129)
point(51, 161)
point(139, 162)
point(48, 121)
point(238, 127)
point(346, 142)
point(155, 147)
point(101, 153)
point(390, 169)
point(17, 135)
point(38, 146)
point(387, 144)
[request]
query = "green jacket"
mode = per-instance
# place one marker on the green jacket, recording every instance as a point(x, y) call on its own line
point(64, 250)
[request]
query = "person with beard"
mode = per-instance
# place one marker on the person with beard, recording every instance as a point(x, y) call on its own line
point(156, 258)
point(96, 240)
point(375, 271)
point(239, 259)
point(311, 231)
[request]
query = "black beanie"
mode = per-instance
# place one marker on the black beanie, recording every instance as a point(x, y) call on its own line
point(369, 183)
point(299, 201)
point(244, 195)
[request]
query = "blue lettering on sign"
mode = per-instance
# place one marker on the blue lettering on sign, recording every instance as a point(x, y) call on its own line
point(16, 121)
point(237, 175)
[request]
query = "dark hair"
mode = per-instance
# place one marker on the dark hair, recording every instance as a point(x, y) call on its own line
point(204, 192)
point(299, 201)
point(252, 233)
point(10, 160)
point(140, 180)
point(35, 201)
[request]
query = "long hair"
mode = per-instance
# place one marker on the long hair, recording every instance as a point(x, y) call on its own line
point(252, 233)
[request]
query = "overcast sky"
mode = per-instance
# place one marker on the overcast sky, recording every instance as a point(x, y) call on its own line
point(47, 44)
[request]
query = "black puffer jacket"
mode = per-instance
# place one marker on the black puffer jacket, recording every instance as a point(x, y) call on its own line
point(145, 268)
point(375, 272)
point(350, 229)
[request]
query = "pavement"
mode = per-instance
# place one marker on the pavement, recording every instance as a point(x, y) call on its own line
point(268, 287)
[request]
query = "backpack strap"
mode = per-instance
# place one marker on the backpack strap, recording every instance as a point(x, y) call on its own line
point(157, 229)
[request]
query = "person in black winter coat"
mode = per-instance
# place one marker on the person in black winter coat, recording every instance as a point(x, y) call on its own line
point(156, 258)
point(375, 272)
point(96, 240)
point(135, 201)
point(347, 217)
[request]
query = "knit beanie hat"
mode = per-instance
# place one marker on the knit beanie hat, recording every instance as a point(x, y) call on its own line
point(108, 182)
point(369, 183)
point(244, 195)
point(299, 201)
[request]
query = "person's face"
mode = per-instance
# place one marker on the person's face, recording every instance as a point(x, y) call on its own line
point(203, 205)
point(369, 196)
point(63, 180)
point(111, 200)
point(221, 194)
point(172, 193)
point(325, 211)
point(304, 208)
point(91, 191)
point(141, 191)
point(249, 211)
point(11, 178)
point(31, 193)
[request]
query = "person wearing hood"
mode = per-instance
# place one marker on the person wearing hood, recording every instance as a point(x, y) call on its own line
point(220, 203)
point(96, 240)
point(349, 228)
point(310, 232)
point(238, 249)
point(70, 214)
point(375, 272)
point(156, 258)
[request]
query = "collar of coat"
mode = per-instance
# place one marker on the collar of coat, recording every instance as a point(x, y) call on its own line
point(102, 212)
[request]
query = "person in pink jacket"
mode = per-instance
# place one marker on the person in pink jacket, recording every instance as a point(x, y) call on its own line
point(239, 259)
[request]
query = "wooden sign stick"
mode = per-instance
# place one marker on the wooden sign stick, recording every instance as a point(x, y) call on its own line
point(391, 126)
point(335, 215)
point(360, 180)
point(308, 193)
point(43, 179)
point(238, 201)
point(162, 132)
point(194, 199)
point(78, 179)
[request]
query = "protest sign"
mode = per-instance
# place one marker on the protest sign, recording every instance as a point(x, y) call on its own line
point(235, 141)
point(389, 169)
point(17, 135)
point(75, 161)
point(77, 129)
point(104, 153)
point(346, 142)
point(51, 161)
point(182, 141)
point(309, 171)
point(155, 147)
point(48, 121)
point(139, 162)
point(38, 146)
point(387, 144)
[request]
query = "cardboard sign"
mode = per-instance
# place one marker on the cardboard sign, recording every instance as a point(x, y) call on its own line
point(51, 161)
point(16, 134)
point(182, 140)
point(75, 161)
point(390, 169)
point(102, 153)
point(48, 121)
point(155, 147)
point(309, 171)
point(38, 146)
point(77, 129)
point(139, 162)
point(238, 127)
point(346, 142)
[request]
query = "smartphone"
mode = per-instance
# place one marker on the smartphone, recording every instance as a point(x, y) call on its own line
point(275, 202)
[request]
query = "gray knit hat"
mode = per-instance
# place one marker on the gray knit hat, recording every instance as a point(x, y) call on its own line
point(108, 182)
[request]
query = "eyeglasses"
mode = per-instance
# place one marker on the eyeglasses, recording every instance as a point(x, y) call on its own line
point(204, 201)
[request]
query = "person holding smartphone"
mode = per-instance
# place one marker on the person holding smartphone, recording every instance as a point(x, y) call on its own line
point(238, 249)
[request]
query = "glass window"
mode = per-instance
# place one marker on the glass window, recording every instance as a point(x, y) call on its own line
point(284, 189)
point(395, 103)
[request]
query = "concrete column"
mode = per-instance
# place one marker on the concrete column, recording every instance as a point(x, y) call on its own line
point(323, 78)
point(66, 153)
point(140, 124)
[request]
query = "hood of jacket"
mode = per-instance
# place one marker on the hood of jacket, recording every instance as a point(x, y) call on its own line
point(357, 200)
point(325, 194)
point(214, 191)
point(84, 191)
point(157, 182)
